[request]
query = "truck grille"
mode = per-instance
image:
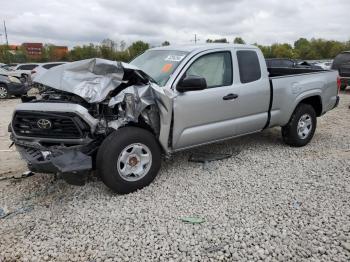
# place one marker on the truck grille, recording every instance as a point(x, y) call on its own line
point(49, 125)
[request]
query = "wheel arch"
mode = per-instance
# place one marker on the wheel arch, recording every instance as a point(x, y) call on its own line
point(315, 101)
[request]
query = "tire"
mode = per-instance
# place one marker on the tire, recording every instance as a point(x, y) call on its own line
point(3, 92)
point(298, 132)
point(122, 152)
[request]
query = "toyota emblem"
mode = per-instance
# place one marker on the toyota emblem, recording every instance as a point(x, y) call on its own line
point(44, 124)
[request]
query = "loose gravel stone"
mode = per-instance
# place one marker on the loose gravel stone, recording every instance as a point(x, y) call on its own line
point(270, 202)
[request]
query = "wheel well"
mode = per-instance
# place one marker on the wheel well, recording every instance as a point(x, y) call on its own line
point(315, 102)
point(141, 124)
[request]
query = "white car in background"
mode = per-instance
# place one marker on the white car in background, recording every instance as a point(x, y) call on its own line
point(325, 64)
point(4, 71)
point(23, 71)
point(42, 68)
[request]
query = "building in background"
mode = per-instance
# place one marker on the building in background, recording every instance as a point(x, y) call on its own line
point(59, 53)
point(33, 50)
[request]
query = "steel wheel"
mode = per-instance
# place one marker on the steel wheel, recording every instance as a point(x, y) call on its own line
point(304, 126)
point(3, 92)
point(134, 162)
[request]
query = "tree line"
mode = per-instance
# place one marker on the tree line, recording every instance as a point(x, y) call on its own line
point(313, 49)
point(303, 48)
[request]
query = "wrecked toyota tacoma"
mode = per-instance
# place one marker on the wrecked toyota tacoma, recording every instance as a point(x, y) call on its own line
point(120, 119)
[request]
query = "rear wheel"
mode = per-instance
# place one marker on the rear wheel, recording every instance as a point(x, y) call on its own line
point(301, 127)
point(3, 92)
point(128, 159)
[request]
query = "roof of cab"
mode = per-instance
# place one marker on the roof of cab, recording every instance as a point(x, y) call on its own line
point(202, 47)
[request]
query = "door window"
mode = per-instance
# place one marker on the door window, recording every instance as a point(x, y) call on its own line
point(216, 68)
point(249, 66)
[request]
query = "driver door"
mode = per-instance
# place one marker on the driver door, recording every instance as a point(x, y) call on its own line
point(206, 115)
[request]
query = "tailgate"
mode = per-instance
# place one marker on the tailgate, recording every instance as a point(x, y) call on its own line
point(344, 70)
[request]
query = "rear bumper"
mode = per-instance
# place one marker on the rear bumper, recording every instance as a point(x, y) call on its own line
point(345, 81)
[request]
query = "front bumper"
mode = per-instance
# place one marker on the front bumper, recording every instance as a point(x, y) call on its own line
point(56, 159)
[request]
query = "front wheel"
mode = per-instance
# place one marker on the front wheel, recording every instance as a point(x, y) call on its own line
point(301, 127)
point(128, 159)
point(3, 92)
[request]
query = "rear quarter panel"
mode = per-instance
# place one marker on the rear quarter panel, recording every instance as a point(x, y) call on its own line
point(289, 91)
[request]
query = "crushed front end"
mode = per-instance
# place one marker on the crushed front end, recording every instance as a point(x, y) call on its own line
point(60, 130)
point(55, 137)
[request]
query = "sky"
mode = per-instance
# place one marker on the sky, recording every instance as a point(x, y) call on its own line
point(75, 22)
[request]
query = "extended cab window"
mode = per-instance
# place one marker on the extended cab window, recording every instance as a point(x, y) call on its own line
point(249, 66)
point(216, 68)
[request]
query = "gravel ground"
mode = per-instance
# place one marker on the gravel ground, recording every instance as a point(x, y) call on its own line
point(270, 202)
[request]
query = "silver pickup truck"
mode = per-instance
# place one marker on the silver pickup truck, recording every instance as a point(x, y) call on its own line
point(120, 119)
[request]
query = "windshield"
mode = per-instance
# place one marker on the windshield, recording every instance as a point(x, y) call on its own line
point(159, 64)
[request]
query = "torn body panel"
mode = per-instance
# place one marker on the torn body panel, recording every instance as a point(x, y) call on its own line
point(138, 98)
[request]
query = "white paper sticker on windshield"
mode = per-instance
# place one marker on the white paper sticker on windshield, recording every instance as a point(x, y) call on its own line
point(174, 58)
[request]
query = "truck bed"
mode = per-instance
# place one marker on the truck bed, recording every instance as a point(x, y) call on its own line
point(290, 86)
point(284, 71)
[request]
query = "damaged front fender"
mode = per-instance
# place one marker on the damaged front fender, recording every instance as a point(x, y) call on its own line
point(137, 99)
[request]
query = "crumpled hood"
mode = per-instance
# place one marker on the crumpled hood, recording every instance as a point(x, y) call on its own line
point(94, 79)
point(91, 79)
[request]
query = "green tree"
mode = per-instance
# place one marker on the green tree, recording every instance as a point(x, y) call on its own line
point(137, 48)
point(5, 55)
point(84, 52)
point(282, 51)
point(239, 40)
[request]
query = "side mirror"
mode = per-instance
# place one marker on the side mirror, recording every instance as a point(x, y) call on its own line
point(191, 83)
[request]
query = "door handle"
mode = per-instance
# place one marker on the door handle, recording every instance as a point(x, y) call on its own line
point(230, 97)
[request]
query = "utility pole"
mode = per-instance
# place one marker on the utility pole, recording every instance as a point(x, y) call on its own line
point(7, 41)
point(195, 39)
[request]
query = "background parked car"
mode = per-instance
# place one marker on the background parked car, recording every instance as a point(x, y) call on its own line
point(306, 64)
point(6, 72)
point(23, 70)
point(10, 85)
point(289, 63)
point(9, 67)
point(342, 64)
point(325, 64)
